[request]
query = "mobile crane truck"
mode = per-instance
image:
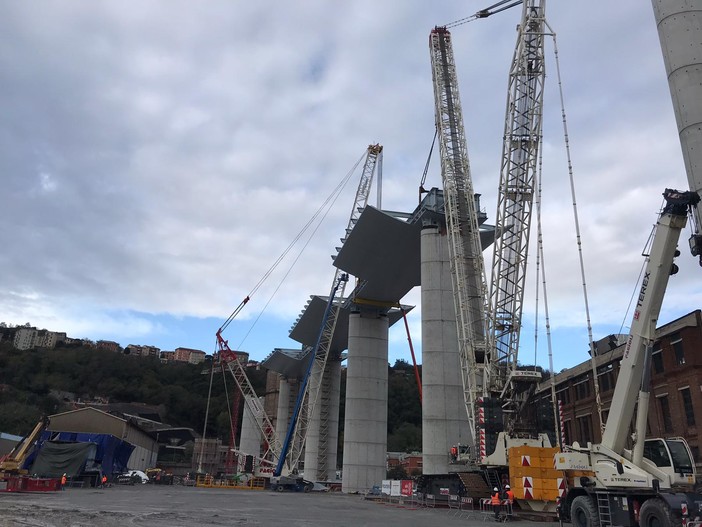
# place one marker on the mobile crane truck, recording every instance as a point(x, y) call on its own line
point(651, 485)
point(14, 478)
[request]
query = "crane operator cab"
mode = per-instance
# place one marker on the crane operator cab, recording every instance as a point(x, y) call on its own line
point(672, 456)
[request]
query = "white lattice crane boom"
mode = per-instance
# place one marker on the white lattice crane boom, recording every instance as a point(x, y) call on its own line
point(518, 170)
point(316, 388)
point(465, 251)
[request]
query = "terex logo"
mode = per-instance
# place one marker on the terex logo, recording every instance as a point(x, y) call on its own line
point(644, 285)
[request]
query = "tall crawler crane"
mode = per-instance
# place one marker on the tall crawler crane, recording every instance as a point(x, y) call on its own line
point(488, 332)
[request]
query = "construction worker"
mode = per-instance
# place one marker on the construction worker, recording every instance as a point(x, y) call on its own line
point(63, 481)
point(103, 481)
point(496, 501)
point(509, 494)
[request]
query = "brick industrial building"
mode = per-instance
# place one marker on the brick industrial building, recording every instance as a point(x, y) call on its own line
point(675, 407)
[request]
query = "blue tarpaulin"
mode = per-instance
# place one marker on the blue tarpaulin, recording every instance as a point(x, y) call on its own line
point(112, 454)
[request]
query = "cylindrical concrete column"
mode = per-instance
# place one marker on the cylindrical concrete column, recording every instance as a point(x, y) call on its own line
point(312, 435)
point(323, 429)
point(334, 373)
point(282, 416)
point(444, 416)
point(366, 420)
point(250, 442)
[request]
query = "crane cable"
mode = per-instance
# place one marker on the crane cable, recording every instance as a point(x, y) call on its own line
point(577, 235)
point(422, 190)
point(541, 265)
point(331, 198)
point(328, 203)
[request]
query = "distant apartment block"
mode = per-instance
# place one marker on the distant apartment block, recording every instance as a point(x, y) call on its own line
point(167, 356)
point(108, 345)
point(190, 355)
point(48, 339)
point(29, 337)
point(142, 351)
point(24, 338)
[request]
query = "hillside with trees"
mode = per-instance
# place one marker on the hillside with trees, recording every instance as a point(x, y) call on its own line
point(32, 383)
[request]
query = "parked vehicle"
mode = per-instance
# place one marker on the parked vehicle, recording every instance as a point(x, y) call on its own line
point(132, 477)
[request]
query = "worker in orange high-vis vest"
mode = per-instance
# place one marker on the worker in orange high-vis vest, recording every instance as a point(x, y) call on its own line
point(63, 481)
point(509, 494)
point(496, 502)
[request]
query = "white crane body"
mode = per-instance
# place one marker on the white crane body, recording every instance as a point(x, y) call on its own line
point(652, 484)
point(489, 321)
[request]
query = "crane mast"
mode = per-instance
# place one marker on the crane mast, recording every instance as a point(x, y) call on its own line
point(235, 366)
point(316, 388)
point(520, 149)
point(465, 251)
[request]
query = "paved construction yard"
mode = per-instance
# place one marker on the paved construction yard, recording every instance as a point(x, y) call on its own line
point(171, 506)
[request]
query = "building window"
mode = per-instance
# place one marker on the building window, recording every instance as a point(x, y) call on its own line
point(563, 396)
point(582, 389)
point(665, 413)
point(687, 405)
point(678, 351)
point(657, 359)
point(585, 429)
point(567, 432)
point(605, 376)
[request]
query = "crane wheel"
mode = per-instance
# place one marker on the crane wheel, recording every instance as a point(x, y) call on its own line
point(583, 512)
point(655, 513)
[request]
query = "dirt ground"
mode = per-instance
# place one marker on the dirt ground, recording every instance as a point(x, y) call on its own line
point(172, 506)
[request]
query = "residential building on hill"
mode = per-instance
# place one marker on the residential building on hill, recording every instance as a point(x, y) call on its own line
point(108, 345)
point(193, 356)
point(30, 337)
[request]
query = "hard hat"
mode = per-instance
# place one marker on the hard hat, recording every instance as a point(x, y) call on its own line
point(495, 489)
point(506, 486)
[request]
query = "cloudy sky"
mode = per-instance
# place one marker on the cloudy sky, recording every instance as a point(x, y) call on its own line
point(157, 157)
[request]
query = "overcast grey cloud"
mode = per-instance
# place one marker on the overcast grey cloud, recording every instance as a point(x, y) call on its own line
point(156, 157)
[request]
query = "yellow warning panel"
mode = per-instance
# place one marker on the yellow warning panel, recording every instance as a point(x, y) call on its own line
point(531, 456)
point(520, 472)
point(548, 494)
point(550, 473)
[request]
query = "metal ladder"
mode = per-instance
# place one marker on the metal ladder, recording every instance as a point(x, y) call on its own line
point(603, 510)
point(493, 479)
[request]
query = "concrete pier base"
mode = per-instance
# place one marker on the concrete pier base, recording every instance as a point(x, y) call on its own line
point(444, 416)
point(250, 441)
point(365, 424)
point(323, 429)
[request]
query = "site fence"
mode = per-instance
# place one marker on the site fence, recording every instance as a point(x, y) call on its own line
point(400, 493)
point(210, 482)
